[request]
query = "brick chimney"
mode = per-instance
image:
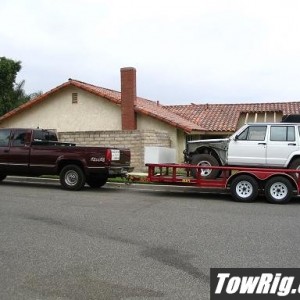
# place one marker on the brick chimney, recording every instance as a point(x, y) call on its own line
point(128, 98)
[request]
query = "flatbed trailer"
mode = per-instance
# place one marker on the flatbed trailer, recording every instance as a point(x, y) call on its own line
point(243, 183)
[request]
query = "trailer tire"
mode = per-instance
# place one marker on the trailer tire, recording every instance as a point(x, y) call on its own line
point(244, 188)
point(72, 178)
point(95, 181)
point(278, 190)
point(205, 160)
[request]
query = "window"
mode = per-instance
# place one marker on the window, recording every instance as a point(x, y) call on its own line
point(20, 137)
point(74, 97)
point(253, 133)
point(282, 133)
point(44, 135)
point(4, 137)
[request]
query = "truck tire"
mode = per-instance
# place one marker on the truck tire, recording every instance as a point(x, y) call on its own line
point(72, 178)
point(244, 188)
point(2, 177)
point(278, 190)
point(95, 181)
point(205, 160)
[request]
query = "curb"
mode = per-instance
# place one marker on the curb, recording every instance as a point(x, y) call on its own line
point(115, 185)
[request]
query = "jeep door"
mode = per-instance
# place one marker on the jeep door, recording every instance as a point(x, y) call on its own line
point(282, 143)
point(249, 147)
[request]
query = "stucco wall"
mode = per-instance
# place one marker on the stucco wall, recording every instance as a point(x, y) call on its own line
point(58, 112)
point(135, 140)
point(177, 136)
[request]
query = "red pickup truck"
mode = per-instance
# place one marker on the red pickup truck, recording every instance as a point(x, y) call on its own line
point(36, 152)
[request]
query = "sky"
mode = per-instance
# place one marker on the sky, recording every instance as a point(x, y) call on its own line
point(191, 51)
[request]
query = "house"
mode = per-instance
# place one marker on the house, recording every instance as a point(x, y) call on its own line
point(93, 115)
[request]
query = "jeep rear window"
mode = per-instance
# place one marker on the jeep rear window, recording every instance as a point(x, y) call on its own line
point(282, 133)
point(253, 133)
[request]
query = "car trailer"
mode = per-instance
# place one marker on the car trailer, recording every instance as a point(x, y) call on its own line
point(243, 183)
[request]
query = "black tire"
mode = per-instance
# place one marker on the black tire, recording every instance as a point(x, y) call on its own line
point(2, 177)
point(295, 164)
point(205, 160)
point(72, 178)
point(244, 188)
point(95, 181)
point(278, 190)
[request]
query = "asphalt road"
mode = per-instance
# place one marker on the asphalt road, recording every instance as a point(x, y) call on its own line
point(118, 243)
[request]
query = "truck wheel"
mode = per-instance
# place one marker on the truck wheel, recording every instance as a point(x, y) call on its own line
point(96, 181)
point(72, 178)
point(244, 188)
point(2, 177)
point(205, 160)
point(278, 190)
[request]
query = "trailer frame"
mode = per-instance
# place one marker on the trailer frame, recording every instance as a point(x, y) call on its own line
point(244, 183)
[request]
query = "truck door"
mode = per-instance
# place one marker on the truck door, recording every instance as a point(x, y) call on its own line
point(18, 154)
point(249, 147)
point(282, 143)
point(4, 149)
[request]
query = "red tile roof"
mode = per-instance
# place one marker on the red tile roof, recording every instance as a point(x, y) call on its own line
point(225, 117)
point(143, 106)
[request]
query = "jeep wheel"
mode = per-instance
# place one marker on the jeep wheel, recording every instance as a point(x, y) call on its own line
point(205, 160)
point(295, 164)
point(2, 177)
point(72, 178)
point(244, 188)
point(278, 190)
point(95, 181)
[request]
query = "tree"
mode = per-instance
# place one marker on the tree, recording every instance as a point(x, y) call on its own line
point(12, 94)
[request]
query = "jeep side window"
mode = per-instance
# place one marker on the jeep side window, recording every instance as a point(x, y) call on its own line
point(253, 133)
point(282, 133)
point(4, 137)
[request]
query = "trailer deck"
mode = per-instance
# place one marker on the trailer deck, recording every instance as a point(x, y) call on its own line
point(244, 183)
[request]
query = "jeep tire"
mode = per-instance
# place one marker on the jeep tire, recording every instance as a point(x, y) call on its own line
point(205, 160)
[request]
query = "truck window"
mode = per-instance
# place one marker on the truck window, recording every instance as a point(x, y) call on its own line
point(44, 135)
point(20, 137)
point(282, 133)
point(4, 137)
point(253, 133)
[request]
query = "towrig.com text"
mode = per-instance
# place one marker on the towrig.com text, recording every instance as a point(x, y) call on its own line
point(267, 283)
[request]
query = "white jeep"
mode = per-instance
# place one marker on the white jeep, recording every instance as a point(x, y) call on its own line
point(275, 145)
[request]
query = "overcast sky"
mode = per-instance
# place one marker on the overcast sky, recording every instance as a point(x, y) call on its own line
point(200, 51)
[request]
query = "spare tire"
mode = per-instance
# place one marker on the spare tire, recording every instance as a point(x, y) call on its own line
point(205, 160)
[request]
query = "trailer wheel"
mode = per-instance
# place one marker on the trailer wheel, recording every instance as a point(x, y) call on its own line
point(95, 181)
point(205, 160)
point(72, 178)
point(244, 188)
point(278, 190)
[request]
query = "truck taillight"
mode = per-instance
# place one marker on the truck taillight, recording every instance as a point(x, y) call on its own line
point(108, 155)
